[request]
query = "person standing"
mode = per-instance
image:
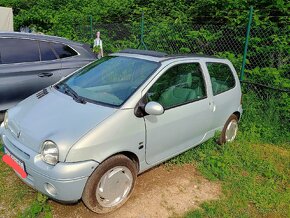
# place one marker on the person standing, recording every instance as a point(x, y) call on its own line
point(98, 46)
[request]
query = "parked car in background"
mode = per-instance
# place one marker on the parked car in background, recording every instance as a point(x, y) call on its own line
point(90, 135)
point(30, 62)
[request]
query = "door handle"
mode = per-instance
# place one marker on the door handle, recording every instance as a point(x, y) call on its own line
point(45, 74)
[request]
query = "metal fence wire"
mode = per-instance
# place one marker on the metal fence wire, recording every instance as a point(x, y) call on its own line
point(267, 56)
point(267, 63)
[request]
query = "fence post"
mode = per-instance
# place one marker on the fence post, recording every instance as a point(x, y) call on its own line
point(91, 25)
point(246, 43)
point(142, 32)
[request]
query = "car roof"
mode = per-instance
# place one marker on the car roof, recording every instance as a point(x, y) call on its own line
point(160, 56)
point(37, 37)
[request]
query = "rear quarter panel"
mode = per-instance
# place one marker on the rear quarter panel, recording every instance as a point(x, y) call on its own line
point(227, 102)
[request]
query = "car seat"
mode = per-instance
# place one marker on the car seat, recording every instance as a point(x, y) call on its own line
point(178, 94)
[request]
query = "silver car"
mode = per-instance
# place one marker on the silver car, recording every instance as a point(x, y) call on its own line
point(90, 135)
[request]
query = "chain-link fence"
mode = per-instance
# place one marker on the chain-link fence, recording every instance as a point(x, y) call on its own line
point(267, 77)
point(118, 36)
point(267, 68)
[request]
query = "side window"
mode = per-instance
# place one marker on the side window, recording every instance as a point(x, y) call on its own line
point(18, 50)
point(179, 85)
point(63, 51)
point(46, 52)
point(222, 78)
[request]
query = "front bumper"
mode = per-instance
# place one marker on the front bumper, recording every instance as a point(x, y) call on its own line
point(64, 181)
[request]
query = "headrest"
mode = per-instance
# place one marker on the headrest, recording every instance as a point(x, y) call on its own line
point(186, 79)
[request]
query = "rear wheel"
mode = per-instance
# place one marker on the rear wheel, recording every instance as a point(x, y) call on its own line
point(230, 130)
point(110, 185)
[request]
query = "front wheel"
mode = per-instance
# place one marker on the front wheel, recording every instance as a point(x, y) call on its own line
point(230, 130)
point(110, 185)
point(2, 113)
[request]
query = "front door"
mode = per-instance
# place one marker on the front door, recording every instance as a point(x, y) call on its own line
point(181, 90)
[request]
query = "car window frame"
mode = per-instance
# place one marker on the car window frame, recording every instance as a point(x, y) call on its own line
point(26, 62)
point(232, 72)
point(129, 97)
point(48, 41)
point(51, 48)
point(168, 67)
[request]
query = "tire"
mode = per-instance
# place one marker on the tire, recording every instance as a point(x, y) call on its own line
point(117, 173)
point(229, 131)
point(2, 113)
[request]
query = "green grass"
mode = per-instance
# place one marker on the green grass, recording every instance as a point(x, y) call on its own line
point(14, 195)
point(255, 178)
point(38, 208)
point(254, 170)
point(17, 199)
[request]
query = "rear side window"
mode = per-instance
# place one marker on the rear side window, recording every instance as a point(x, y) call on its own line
point(222, 78)
point(63, 51)
point(18, 50)
point(46, 52)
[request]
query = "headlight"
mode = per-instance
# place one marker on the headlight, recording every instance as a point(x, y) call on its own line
point(6, 120)
point(49, 152)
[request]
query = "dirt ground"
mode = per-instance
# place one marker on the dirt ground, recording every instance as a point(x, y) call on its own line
point(161, 192)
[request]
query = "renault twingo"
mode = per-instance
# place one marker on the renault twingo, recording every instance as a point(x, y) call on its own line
point(89, 136)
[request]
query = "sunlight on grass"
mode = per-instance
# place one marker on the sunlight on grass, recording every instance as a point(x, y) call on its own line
point(254, 170)
point(15, 195)
point(255, 178)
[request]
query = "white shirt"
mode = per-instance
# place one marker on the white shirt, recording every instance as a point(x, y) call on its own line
point(98, 42)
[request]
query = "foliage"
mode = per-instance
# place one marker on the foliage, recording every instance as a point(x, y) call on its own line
point(270, 75)
point(51, 15)
point(266, 118)
point(172, 26)
point(65, 16)
point(39, 207)
point(96, 49)
point(14, 194)
point(253, 170)
point(254, 178)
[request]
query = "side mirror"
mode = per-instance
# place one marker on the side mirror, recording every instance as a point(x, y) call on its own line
point(154, 108)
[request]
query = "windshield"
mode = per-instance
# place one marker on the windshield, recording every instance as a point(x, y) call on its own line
point(110, 80)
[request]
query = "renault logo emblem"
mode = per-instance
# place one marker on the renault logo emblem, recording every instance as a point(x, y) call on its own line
point(18, 134)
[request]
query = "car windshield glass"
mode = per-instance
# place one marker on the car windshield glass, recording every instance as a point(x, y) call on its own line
point(110, 80)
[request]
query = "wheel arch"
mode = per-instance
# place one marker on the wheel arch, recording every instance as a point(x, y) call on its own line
point(132, 156)
point(238, 115)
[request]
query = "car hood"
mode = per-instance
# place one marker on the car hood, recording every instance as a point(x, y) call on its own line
point(56, 117)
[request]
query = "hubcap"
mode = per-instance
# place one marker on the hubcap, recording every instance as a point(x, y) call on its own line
point(231, 131)
point(114, 186)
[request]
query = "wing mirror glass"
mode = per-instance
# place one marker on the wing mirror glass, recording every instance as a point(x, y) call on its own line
point(154, 108)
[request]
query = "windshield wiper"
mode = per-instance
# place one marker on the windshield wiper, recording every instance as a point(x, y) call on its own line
point(68, 90)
